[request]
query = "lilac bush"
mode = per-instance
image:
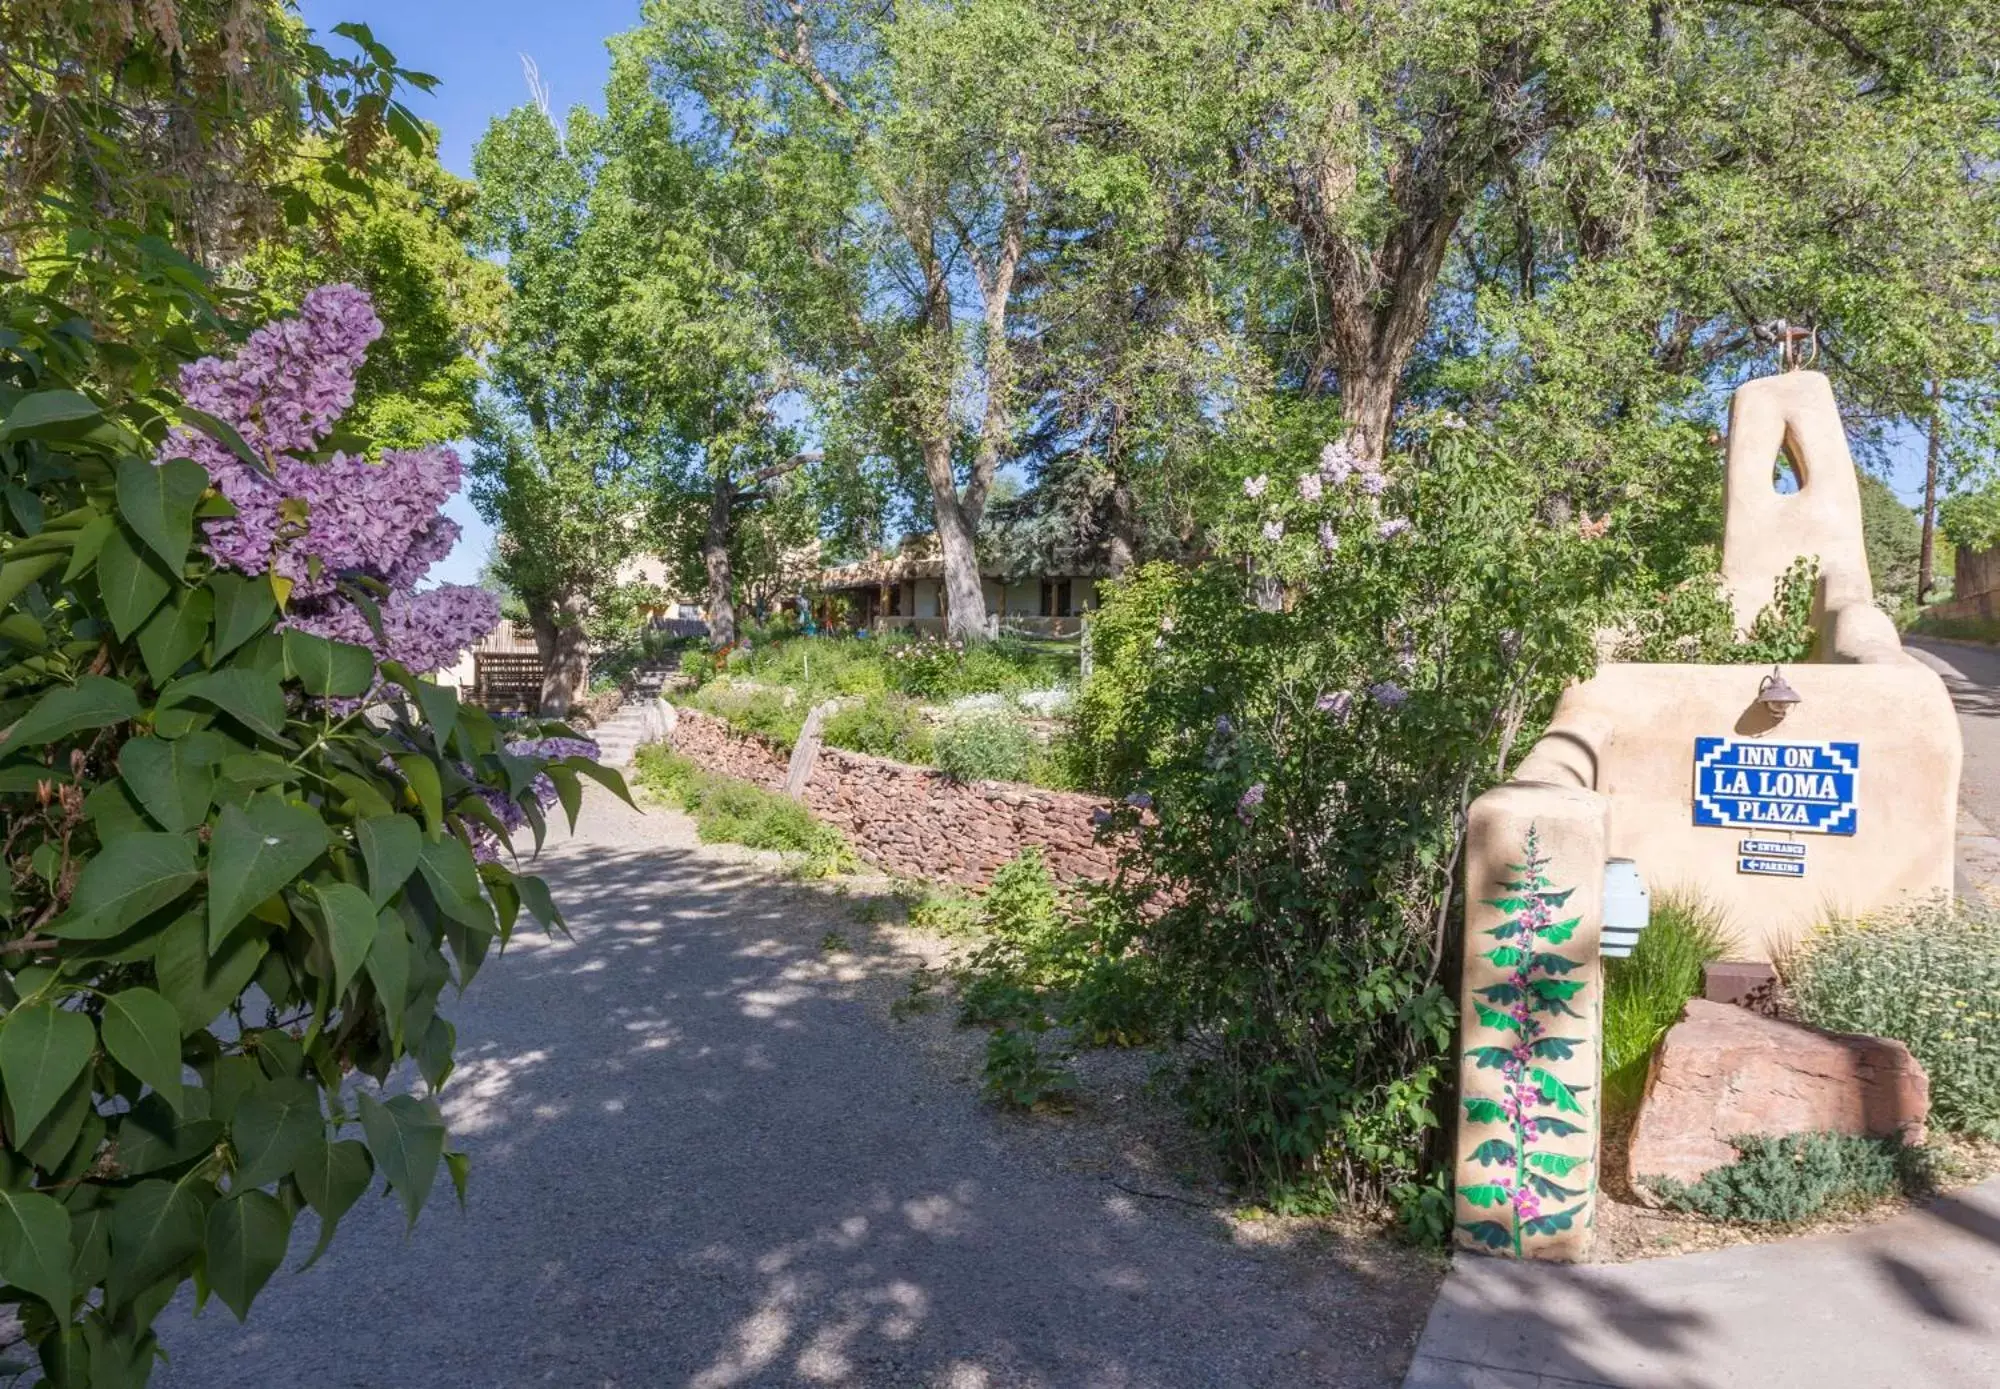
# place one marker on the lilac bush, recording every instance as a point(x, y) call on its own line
point(319, 523)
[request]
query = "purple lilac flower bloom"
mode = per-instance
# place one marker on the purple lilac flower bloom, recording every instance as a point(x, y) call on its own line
point(1100, 817)
point(1223, 725)
point(317, 523)
point(1373, 480)
point(1274, 531)
point(1336, 463)
point(1253, 488)
point(1311, 487)
point(1139, 800)
point(1329, 539)
point(1336, 704)
point(1393, 527)
point(485, 844)
point(1252, 798)
point(1388, 694)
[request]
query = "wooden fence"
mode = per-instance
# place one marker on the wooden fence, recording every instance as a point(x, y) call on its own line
point(506, 679)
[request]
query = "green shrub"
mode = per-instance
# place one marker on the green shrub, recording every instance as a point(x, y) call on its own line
point(1928, 977)
point(1018, 1074)
point(1645, 992)
point(697, 665)
point(945, 912)
point(986, 747)
point(881, 725)
point(774, 715)
point(1788, 1179)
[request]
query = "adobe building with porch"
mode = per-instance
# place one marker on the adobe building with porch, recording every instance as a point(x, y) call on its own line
point(906, 593)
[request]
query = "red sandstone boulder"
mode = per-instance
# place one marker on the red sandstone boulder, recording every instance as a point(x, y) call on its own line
point(1722, 1072)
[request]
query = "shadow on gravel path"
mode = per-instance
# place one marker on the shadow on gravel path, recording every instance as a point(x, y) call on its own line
point(701, 1158)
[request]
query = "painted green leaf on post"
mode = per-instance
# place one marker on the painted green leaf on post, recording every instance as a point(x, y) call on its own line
point(243, 1245)
point(94, 701)
point(143, 1034)
point(1551, 1223)
point(35, 1253)
point(43, 1049)
point(158, 501)
point(1505, 1022)
point(406, 1137)
point(1554, 1091)
point(1484, 1194)
point(1493, 1152)
point(1479, 1110)
point(252, 855)
point(1491, 1058)
point(1490, 1233)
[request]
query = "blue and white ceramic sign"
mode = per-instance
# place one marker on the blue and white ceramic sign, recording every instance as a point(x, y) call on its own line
point(1753, 783)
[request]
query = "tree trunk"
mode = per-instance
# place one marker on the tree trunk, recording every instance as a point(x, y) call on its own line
point(1368, 402)
point(1926, 554)
point(560, 642)
point(1122, 544)
point(964, 597)
point(715, 562)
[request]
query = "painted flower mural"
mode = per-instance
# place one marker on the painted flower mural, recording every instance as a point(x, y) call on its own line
point(1534, 1189)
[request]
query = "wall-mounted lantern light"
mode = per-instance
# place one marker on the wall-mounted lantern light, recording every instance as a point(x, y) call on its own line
point(1777, 695)
point(1627, 907)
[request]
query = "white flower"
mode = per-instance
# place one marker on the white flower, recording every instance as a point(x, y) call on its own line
point(1274, 531)
point(1310, 486)
point(1253, 488)
point(1393, 527)
point(1329, 539)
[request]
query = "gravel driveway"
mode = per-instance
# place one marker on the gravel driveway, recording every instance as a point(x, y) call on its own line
point(704, 1155)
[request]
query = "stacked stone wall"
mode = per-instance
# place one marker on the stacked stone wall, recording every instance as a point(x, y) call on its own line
point(915, 821)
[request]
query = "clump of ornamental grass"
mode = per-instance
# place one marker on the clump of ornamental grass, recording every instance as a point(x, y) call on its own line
point(1929, 977)
point(1645, 992)
point(728, 811)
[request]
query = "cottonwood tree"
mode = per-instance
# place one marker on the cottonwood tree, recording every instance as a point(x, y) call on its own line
point(568, 439)
point(1720, 156)
point(921, 144)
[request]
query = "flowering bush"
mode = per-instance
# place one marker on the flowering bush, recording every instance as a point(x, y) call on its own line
point(345, 538)
point(225, 884)
point(1930, 978)
point(1298, 772)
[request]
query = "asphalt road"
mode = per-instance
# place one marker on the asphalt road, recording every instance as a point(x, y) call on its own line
point(703, 1156)
point(1972, 674)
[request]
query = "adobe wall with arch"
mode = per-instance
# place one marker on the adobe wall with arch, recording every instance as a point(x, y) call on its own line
point(1846, 804)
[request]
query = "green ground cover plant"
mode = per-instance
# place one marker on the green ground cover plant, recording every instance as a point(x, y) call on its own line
point(1795, 1177)
point(1928, 977)
point(881, 725)
point(728, 811)
point(1645, 992)
point(773, 714)
point(987, 747)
